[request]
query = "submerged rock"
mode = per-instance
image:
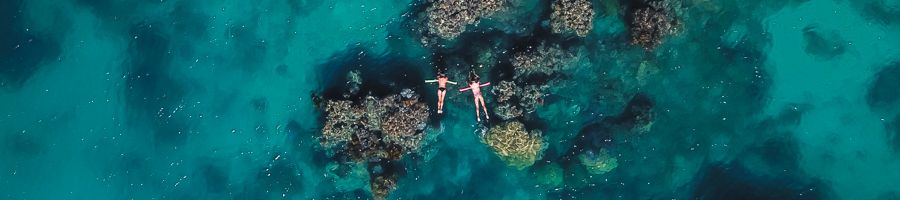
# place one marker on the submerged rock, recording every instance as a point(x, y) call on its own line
point(353, 82)
point(449, 18)
point(515, 146)
point(572, 16)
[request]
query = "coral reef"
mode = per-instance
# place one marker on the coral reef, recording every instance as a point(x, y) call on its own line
point(382, 185)
point(342, 122)
point(599, 162)
point(449, 18)
point(650, 25)
point(505, 92)
point(515, 146)
point(383, 178)
point(375, 128)
point(372, 131)
point(532, 96)
point(372, 128)
point(545, 59)
point(572, 16)
point(403, 126)
point(533, 77)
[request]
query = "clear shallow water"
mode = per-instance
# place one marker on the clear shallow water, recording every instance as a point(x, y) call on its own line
point(180, 99)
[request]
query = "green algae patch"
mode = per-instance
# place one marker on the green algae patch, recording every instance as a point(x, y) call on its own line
point(598, 163)
point(347, 177)
point(550, 175)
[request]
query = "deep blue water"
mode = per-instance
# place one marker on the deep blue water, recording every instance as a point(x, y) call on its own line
point(750, 99)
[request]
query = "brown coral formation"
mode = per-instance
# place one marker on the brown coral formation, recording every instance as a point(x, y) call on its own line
point(449, 18)
point(505, 93)
point(545, 59)
point(515, 146)
point(376, 128)
point(376, 131)
point(652, 24)
point(403, 126)
point(514, 100)
point(521, 95)
point(572, 16)
point(382, 185)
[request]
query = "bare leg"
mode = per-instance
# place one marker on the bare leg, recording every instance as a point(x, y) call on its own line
point(477, 115)
point(440, 101)
point(484, 106)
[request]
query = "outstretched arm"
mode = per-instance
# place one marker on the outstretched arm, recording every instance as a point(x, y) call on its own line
point(430, 81)
point(451, 82)
point(464, 89)
point(485, 84)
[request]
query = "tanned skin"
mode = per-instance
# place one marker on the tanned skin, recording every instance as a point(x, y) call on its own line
point(442, 81)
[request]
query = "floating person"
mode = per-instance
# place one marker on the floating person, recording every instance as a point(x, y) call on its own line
point(442, 81)
point(475, 85)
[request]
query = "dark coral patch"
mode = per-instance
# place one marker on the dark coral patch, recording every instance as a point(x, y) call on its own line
point(151, 92)
point(22, 52)
point(259, 104)
point(893, 134)
point(822, 45)
point(735, 181)
point(251, 49)
point(189, 20)
point(303, 8)
point(883, 91)
point(877, 11)
point(214, 177)
point(22, 146)
point(378, 75)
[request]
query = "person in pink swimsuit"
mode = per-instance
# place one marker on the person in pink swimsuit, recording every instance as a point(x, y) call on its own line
point(475, 85)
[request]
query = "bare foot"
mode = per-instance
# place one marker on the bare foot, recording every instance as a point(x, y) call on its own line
point(440, 111)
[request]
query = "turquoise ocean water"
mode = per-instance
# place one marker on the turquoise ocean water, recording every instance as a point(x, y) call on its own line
point(756, 99)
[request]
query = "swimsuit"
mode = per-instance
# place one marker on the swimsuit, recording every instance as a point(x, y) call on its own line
point(442, 89)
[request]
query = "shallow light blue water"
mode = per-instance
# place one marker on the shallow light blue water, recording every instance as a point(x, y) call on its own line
point(108, 99)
